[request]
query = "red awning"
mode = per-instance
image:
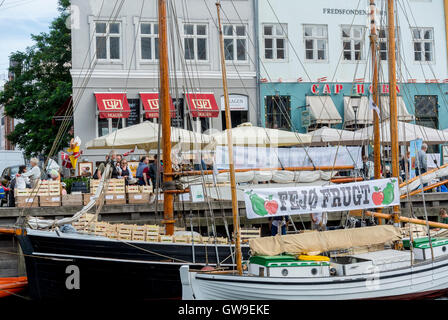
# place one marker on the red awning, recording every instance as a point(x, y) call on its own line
point(150, 102)
point(112, 105)
point(202, 105)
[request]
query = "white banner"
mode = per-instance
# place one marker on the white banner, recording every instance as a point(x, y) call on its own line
point(305, 200)
point(261, 157)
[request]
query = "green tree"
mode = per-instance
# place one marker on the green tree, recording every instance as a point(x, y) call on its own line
point(41, 85)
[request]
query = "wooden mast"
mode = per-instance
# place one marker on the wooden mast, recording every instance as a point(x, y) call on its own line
point(376, 120)
point(393, 98)
point(236, 221)
point(168, 211)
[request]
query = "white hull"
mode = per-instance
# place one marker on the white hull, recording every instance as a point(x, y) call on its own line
point(410, 282)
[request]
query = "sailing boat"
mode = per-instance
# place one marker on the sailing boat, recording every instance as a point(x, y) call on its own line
point(303, 274)
point(73, 265)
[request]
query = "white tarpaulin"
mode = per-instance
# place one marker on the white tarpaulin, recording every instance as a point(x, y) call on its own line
point(259, 157)
point(304, 200)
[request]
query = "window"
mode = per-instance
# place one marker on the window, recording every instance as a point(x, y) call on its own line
point(149, 41)
point(235, 41)
point(106, 126)
point(316, 42)
point(107, 37)
point(382, 42)
point(423, 39)
point(195, 42)
point(278, 111)
point(427, 114)
point(352, 42)
point(274, 39)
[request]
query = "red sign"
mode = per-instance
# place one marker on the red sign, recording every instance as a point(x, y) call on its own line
point(151, 105)
point(202, 105)
point(325, 88)
point(112, 105)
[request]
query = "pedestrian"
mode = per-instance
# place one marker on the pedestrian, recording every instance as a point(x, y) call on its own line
point(125, 172)
point(319, 221)
point(276, 222)
point(111, 160)
point(22, 181)
point(3, 192)
point(387, 173)
point(422, 163)
point(367, 168)
point(404, 166)
point(34, 173)
point(144, 161)
point(153, 171)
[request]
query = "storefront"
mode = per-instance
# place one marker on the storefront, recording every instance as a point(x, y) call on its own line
point(304, 107)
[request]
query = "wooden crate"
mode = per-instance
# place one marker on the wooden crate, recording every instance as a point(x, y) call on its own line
point(115, 198)
point(86, 198)
point(98, 228)
point(50, 201)
point(132, 189)
point(139, 233)
point(138, 198)
point(72, 200)
point(24, 192)
point(145, 189)
point(27, 201)
point(152, 231)
point(111, 231)
point(112, 182)
point(247, 234)
point(152, 238)
point(125, 231)
point(166, 239)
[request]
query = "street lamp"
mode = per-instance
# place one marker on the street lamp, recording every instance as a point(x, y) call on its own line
point(355, 107)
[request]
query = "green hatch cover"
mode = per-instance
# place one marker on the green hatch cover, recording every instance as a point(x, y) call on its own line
point(265, 260)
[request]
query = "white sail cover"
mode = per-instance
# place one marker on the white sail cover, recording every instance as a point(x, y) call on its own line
point(324, 241)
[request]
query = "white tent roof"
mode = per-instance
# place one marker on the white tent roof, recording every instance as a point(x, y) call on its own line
point(145, 136)
point(407, 132)
point(248, 135)
point(323, 110)
point(327, 135)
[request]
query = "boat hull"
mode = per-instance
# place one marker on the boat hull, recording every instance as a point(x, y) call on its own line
point(61, 266)
point(425, 280)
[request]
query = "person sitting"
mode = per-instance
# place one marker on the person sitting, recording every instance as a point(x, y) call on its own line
point(443, 216)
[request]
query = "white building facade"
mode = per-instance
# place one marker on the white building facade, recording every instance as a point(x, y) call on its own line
point(115, 56)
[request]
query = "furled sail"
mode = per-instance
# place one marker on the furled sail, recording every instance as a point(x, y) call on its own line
point(324, 241)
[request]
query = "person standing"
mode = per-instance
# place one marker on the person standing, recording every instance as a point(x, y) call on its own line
point(153, 171)
point(21, 181)
point(319, 221)
point(422, 163)
point(278, 223)
point(141, 167)
point(34, 173)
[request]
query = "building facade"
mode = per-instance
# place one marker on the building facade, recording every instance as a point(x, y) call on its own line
point(316, 63)
point(115, 67)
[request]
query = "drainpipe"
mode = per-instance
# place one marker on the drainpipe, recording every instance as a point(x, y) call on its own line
point(257, 57)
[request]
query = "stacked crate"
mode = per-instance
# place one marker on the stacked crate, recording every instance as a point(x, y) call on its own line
point(145, 189)
point(26, 198)
point(98, 228)
point(111, 231)
point(83, 221)
point(152, 233)
point(135, 196)
point(74, 199)
point(166, 239)
point(247, 234)
point(49, 193)
point(125, 231)
point(139, 233)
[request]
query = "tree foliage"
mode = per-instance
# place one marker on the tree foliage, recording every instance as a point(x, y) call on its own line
point(41, 85)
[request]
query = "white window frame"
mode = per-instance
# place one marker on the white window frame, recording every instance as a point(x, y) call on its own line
point(234, 37)
point(423, 41)
point(92, 24)
point(109, 124)
point(316, 38)
point(139, 36)
point(352, 38)
point(108, 36)
point(386, 41)
point(195, 36)
point(275, 37)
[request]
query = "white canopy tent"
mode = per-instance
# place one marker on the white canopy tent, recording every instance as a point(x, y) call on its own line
point(406, 133)
point(251, 136)
point(325, 136)
point(145, 136)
